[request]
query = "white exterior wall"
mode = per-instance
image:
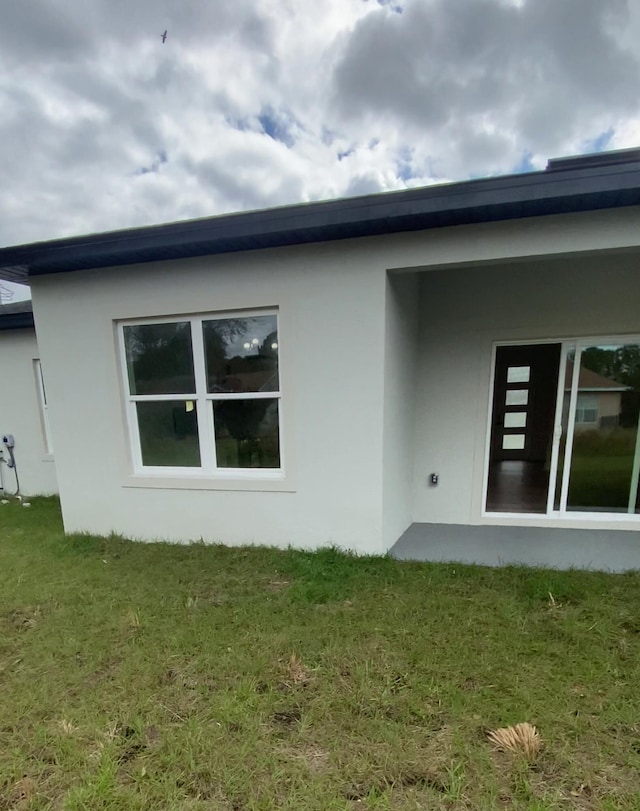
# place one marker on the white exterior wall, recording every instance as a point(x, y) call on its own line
point(331, 343)
point(400, 371)
point(358, 442)
point(20, 415)
point(462, 313)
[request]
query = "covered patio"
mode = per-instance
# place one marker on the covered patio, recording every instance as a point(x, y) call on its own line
point(554, 547)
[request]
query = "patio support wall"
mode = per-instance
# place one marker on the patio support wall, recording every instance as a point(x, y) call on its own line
point(400, 366)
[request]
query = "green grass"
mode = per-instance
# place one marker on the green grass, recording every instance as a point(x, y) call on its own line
point(138, 676)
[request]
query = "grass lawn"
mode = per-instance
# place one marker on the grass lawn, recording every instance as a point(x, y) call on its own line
point(138, 676)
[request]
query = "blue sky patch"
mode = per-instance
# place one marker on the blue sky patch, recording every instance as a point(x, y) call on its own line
point(154, 167)
point(525, 164)
point(277, 126)
point(601, 142)
point(404, 164)
point(241, 124)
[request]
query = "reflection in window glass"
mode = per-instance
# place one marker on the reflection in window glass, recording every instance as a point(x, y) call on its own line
point(517, 397)
point(513, 442)
point(247, 433)
point(518, 374)
point(606, 428)
point(587, 408)
point(160, 358)
point(515, 419)
point(168, 433)
point(241, 354)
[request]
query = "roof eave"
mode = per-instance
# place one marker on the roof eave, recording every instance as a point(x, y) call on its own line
point(513, 197)
point(16, 321)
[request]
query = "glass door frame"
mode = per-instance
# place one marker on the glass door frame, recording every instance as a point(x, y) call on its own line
point(577, 345)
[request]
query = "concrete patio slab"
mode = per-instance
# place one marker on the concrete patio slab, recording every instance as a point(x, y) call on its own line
point(558, 548)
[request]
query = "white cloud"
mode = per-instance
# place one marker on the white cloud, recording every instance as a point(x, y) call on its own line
point(263, 102)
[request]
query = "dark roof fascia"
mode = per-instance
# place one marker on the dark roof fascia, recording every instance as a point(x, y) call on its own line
point(487, 200)
point(16, 316)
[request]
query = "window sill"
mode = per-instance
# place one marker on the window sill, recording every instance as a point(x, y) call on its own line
point(238, 483)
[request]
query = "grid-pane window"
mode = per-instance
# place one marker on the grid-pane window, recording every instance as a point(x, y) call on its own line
point(586, 409)
point(204, 393)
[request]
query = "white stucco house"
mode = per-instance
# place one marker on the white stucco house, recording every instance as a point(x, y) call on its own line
point(23, 407)
point(381, 373)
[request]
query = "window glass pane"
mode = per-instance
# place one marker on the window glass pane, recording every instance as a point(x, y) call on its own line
point(513, 442)
point(241, 354)
point(517, 397)
point(518, 374)
point(168, 433)
point(606, 428)
point(160, 358)
point(247, 433)
point(515, 419)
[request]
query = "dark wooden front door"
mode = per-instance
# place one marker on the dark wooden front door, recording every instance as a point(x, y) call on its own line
point(524, 402)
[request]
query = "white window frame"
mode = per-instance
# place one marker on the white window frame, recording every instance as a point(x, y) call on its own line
point(203, 401)
point(44, 409)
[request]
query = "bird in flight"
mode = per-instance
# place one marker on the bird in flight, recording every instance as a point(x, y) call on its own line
point(164, 37)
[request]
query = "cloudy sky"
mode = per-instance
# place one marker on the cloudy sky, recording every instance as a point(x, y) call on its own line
point(254, 103)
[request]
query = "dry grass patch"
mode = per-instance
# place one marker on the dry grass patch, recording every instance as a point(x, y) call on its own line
point(298, 675)
point(521, 739)
point(23, 791)
point(23, 618)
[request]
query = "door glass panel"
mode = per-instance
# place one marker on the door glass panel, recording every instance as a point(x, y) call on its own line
point(515, 419)
point(518, 374)
point(513, 442)
point(517, 397)
point(606, 430)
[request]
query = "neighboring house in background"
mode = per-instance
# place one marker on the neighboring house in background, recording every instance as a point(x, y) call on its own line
point(23, 406)
point(599, 399)
point(368, 372)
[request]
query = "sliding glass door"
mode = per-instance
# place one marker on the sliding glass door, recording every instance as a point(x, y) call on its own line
point(587, 457)
point(602, 450)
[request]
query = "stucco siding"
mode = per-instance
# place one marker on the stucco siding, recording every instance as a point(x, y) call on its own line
point(331, 345)
point(462, 313)
point(21, 416)
point(375, 396)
